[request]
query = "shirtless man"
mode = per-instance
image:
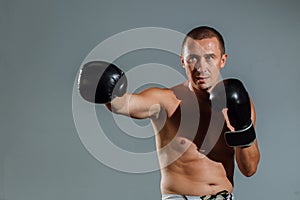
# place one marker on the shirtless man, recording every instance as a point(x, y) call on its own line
point(197, 138)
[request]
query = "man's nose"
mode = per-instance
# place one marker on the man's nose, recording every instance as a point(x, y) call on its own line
point(201, 66)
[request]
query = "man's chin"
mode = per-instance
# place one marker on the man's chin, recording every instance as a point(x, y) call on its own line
point(202, 88)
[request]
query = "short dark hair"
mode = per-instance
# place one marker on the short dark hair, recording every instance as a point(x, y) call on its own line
point(203, 32)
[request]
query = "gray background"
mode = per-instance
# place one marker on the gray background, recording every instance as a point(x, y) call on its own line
point(43, 44)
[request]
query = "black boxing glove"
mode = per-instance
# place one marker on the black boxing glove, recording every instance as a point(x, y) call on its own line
point(239, 111)
point(101, 82)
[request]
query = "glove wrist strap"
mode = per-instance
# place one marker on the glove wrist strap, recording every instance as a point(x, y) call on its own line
point(241, 138)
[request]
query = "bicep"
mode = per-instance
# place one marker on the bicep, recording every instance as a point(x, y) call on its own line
point(145, 104)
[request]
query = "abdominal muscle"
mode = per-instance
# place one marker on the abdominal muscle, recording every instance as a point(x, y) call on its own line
point(192, 173)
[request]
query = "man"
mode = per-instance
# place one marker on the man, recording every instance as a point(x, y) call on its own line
point(197, 137)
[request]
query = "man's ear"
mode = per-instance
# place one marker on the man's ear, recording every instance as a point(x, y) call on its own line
point(223, 60)
point(182, 61)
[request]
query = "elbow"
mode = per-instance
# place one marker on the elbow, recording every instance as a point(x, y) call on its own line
point(250, 172)
point(248, 167)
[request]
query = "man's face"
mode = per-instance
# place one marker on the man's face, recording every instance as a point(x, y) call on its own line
point(202, 60)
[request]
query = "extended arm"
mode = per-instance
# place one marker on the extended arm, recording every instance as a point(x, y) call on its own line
point(145, 104)
point(104, 83)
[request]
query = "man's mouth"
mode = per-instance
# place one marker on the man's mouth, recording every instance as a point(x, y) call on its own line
point(201, 79)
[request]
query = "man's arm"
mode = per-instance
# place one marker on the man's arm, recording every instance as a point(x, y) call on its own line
point(247, 158)
point(104, 83)
point(240, 118)
point(145, 104)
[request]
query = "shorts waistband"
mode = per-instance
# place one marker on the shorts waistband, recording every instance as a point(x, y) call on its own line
point(223, 195)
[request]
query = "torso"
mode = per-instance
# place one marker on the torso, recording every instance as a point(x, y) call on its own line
point(191, 149)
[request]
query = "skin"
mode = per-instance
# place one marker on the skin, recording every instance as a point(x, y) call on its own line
point(186, 167)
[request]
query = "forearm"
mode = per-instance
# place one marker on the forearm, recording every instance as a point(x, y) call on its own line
point(119, 105)
point(247, 159)
point(139, 106)
point(100, 82)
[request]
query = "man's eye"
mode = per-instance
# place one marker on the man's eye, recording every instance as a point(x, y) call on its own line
point(209, 57)
point(192, 60)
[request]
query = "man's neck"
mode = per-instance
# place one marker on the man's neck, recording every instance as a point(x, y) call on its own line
point(202, 94)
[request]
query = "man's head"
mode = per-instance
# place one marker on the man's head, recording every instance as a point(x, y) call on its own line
point(202, 56)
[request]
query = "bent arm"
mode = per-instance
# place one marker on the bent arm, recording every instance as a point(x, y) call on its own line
point(247, 158)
